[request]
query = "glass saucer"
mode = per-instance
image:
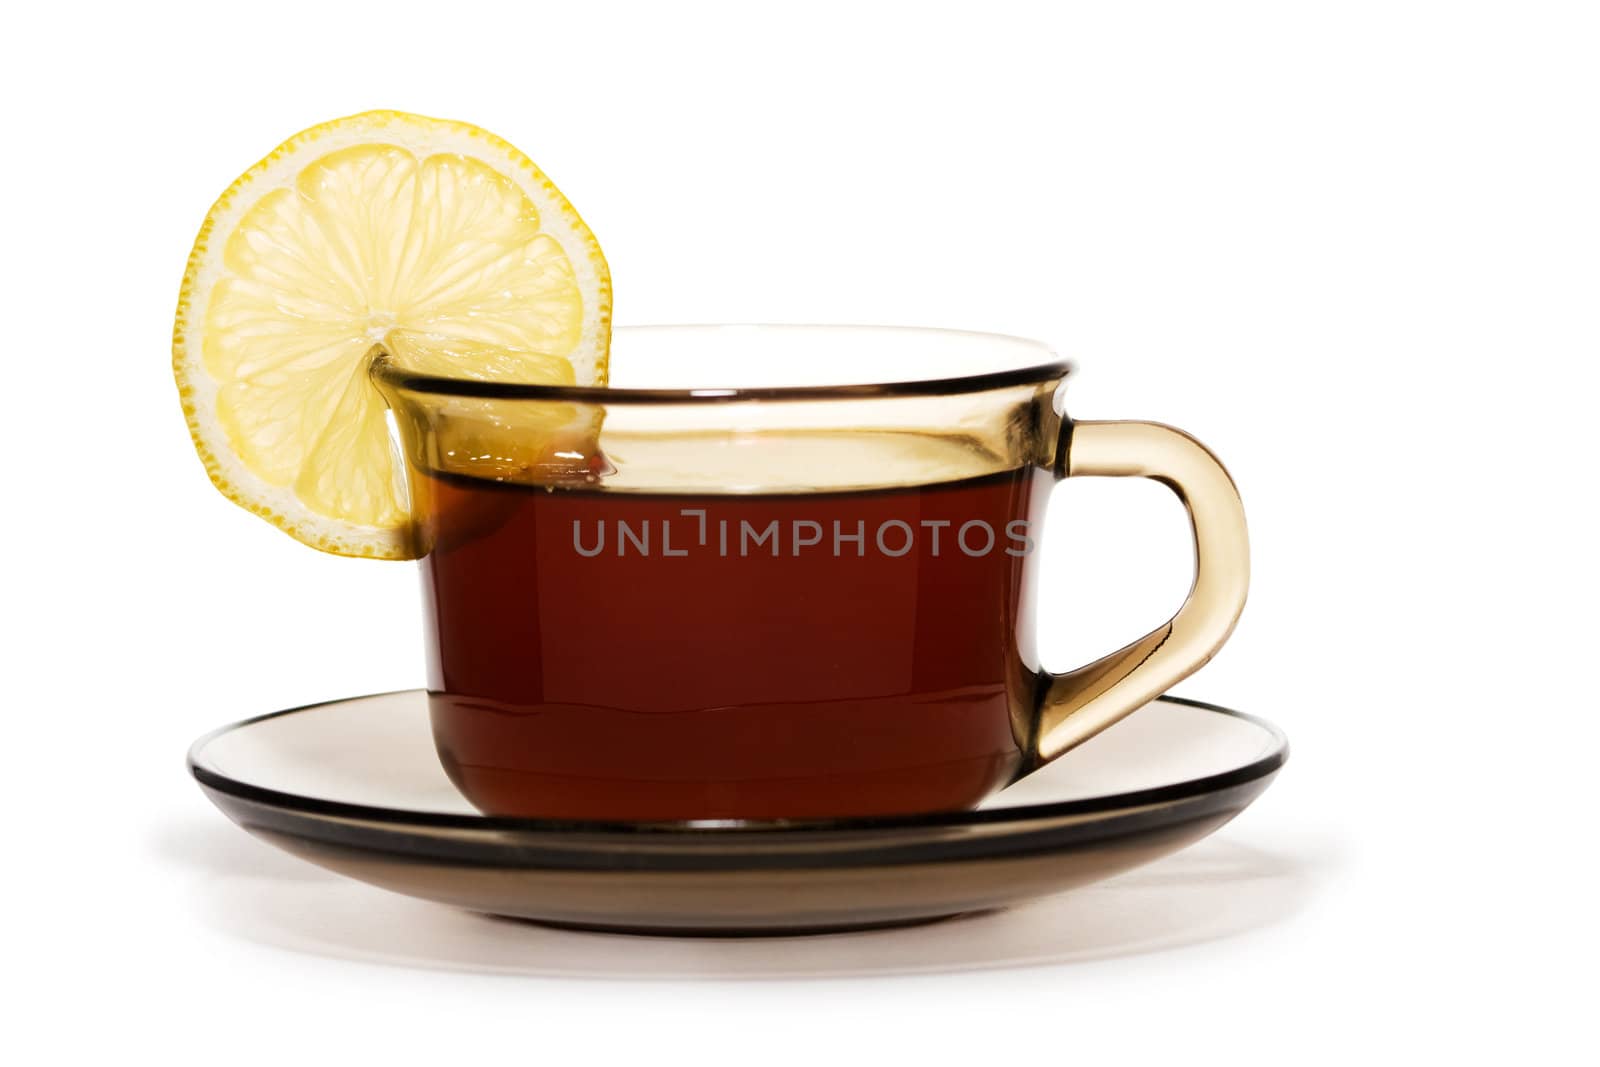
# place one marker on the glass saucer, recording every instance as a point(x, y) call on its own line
point(355, 786)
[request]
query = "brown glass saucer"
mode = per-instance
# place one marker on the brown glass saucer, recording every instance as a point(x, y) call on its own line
point(354, 786)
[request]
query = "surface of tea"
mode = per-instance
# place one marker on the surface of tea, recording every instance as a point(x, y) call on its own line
point(636, 656)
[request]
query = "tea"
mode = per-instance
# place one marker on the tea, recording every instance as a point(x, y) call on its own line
point(627, 655)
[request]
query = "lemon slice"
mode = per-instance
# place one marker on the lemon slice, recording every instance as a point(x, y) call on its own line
point(434, 239)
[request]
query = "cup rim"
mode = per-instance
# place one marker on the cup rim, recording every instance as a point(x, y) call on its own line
point(383, 367)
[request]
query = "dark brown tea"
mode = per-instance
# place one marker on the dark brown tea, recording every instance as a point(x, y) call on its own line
point(613, 655)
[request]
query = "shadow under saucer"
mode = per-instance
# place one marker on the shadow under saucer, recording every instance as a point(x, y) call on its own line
point(1214, 890)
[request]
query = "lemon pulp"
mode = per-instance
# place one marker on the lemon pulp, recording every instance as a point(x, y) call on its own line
point(437, 240)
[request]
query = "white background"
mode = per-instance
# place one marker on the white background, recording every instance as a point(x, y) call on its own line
point(1355, 247)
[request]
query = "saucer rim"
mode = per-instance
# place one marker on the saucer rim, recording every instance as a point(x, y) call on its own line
point(1259, 769)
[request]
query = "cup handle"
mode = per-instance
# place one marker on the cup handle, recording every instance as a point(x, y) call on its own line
point(1079, 704)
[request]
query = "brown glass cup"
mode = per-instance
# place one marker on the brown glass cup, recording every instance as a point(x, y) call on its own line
point(757, 601)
